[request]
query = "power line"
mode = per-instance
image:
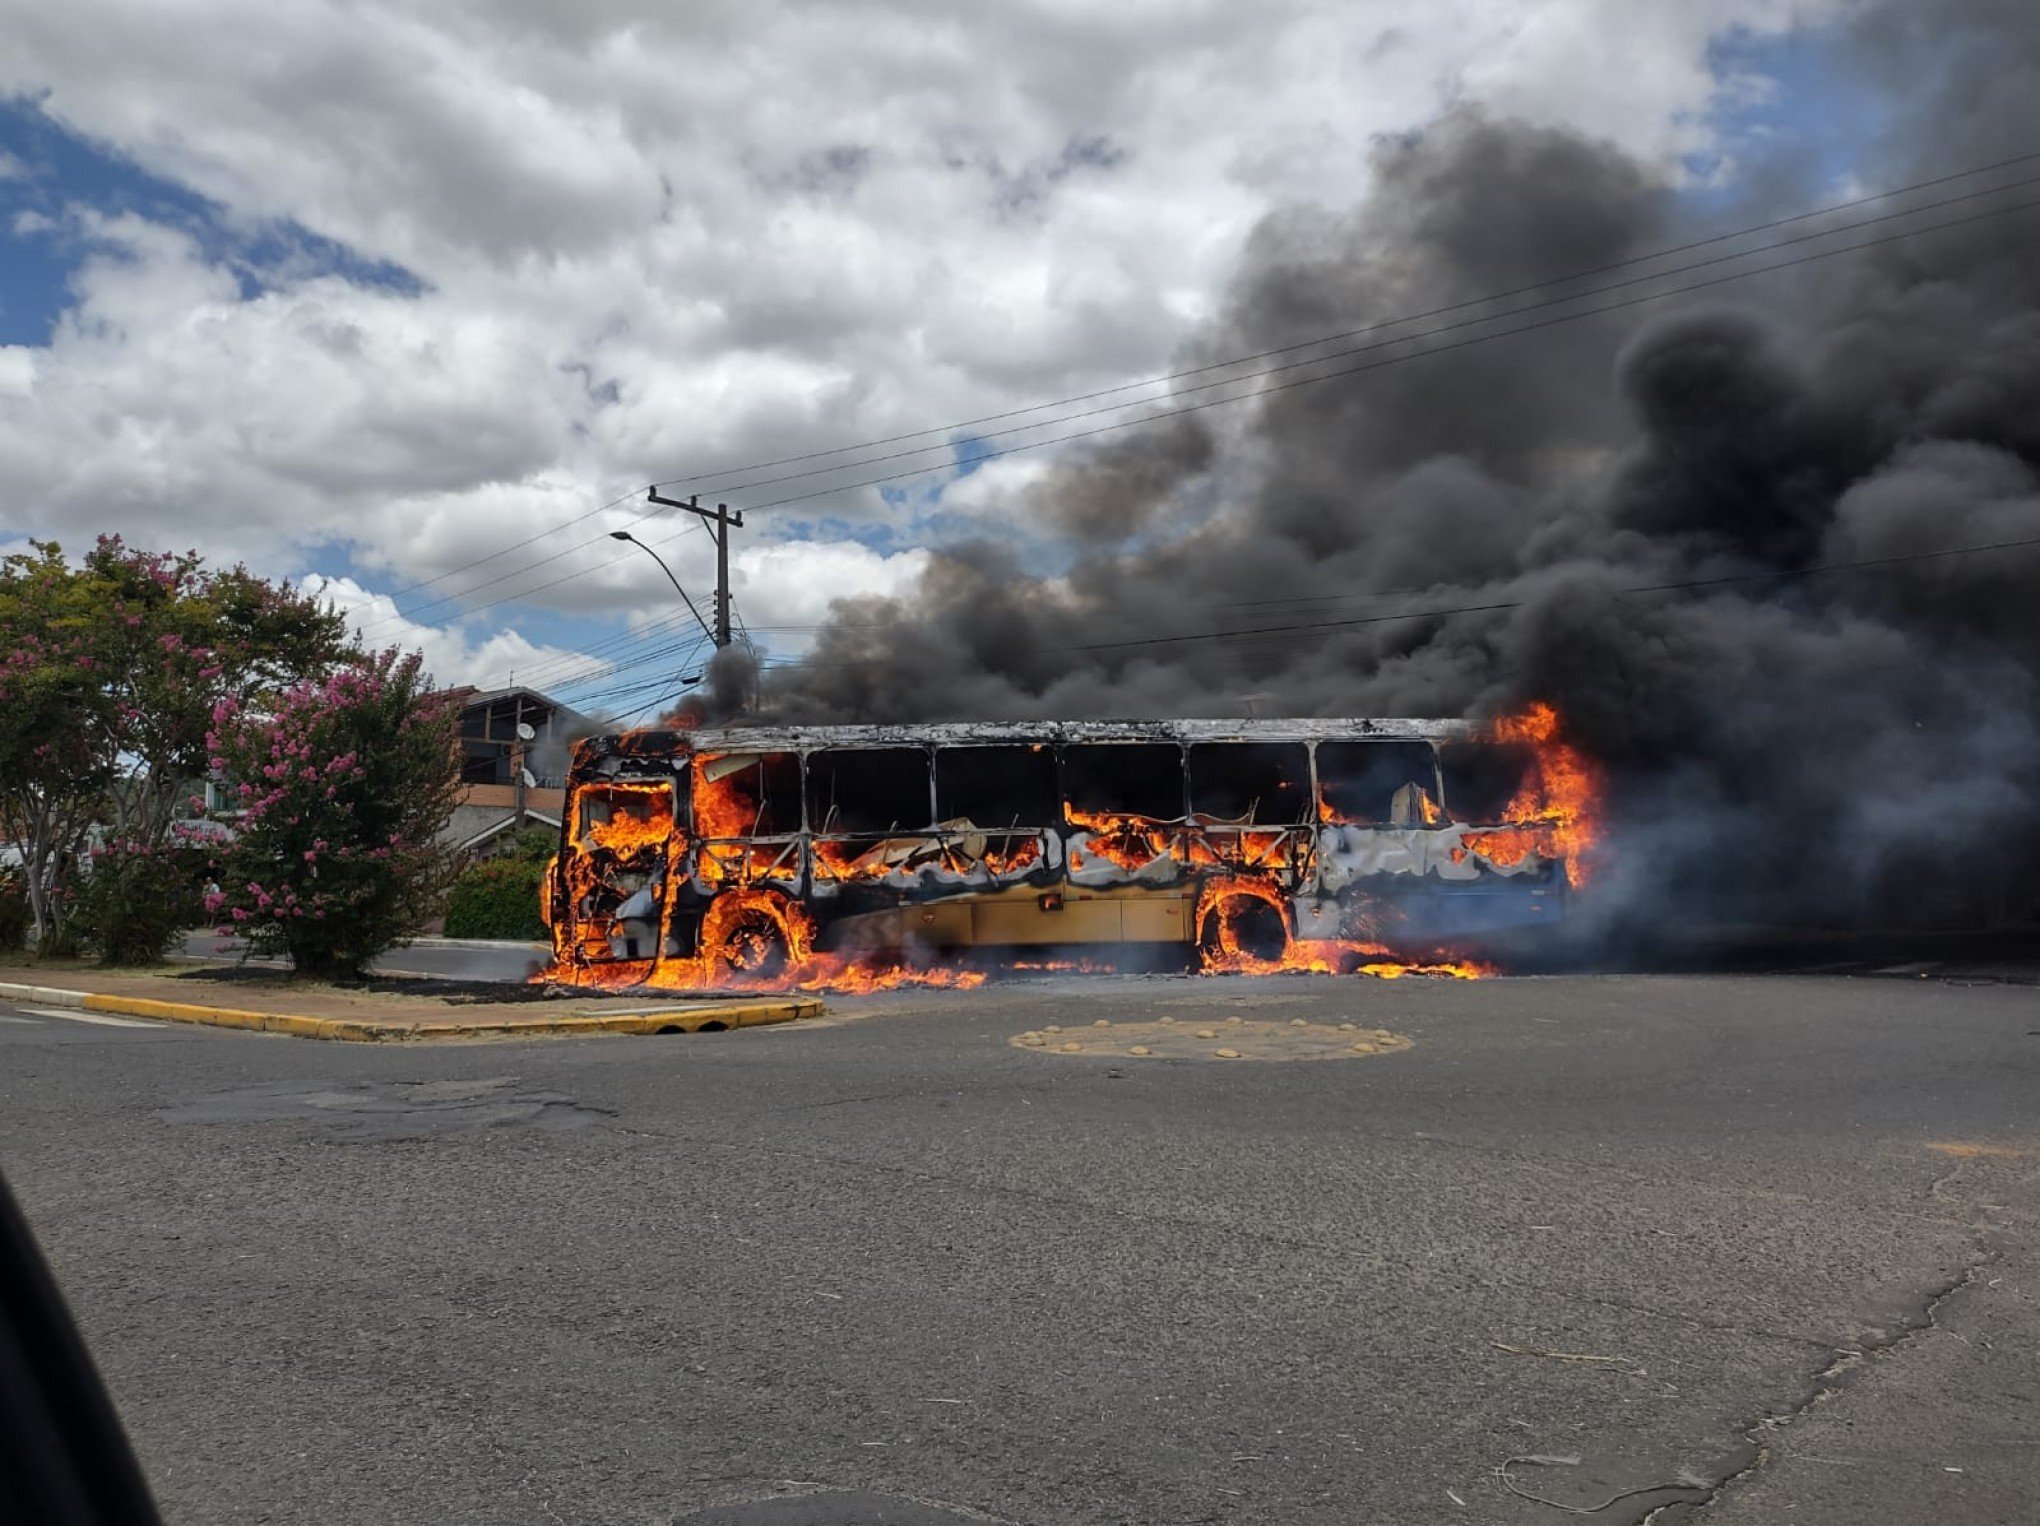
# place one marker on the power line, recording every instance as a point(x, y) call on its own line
point(1318, 626)
point(1543, 323)
point(709, 482)
point(1744, 232)
point(666, 698)
point(625, 671)
point(459, 594)
point(623, 692)
point(607, 652)
point(1443, 328)
point(1462, 343)
point(635, 682)
point(529, 540)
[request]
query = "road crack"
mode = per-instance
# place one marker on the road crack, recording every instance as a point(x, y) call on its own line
point(952, 1182)
point(1827, 1384)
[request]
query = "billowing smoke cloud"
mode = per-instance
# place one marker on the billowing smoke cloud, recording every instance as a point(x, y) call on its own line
point(729, 684)
point(1794, 744)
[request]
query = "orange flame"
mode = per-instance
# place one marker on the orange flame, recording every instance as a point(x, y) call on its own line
point(1244, 928)
point(1128, 841)
point(754, 939)
point(620, 850)
point(1556, 812)
point(641, 816)
point(723, 807)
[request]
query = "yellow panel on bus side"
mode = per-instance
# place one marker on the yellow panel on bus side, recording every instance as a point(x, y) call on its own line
point(1155, 920)
point(946, 923)
point(1024, 921)
point(1135, 916)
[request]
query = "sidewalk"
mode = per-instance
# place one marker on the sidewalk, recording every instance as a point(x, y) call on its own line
point(327, 1012)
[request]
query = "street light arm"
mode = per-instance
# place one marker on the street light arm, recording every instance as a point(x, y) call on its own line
point(648, 551)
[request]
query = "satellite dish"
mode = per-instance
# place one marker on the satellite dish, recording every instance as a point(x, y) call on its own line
point(524, 731)
point(526, 775)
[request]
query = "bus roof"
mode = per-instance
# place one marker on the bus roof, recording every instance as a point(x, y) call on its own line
point(729, 739)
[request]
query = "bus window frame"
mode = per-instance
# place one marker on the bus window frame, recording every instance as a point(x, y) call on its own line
point(1053, 818)
point(1435, 789)
point(928, 828)
point(678, 799)
point(1182, 815)
point(1306, 781)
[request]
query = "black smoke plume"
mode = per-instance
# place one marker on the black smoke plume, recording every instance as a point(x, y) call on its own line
point(1795, 745)
point(729, 685)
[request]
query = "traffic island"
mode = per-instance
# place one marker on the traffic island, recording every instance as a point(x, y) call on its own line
point(385, 1017)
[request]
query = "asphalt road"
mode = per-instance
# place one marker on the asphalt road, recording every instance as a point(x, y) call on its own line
point(1767, 1240)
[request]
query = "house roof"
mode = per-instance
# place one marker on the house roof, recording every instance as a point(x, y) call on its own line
point(468, 695)
point(496, 829)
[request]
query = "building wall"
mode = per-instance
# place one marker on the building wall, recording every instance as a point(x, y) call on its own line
point(485, 805)
point(502, 799)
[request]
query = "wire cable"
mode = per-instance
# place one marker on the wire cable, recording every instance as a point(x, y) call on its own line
point(1379, 344)
point(1261, 392)
point(1888, 194)
point(1371, 365)
point(706, 481)
point(1769, 575)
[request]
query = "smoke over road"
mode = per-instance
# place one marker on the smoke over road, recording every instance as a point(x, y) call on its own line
point(1854, 744)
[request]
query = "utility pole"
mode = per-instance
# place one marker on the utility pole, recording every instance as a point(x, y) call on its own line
point(720, 517)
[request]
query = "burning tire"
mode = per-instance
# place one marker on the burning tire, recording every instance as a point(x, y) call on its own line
point(1242, 929)
point(756, 946)
point(754, 935)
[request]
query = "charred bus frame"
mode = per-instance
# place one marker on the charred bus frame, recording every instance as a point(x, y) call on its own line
point(752, 845)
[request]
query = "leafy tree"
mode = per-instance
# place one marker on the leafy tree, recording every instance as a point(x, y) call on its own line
point(109, 673)
point(55, 771)
point(344, 787)
point(183, 639)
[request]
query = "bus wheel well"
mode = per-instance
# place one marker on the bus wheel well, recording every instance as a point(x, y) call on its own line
point(1239, 927)
point(755, 933)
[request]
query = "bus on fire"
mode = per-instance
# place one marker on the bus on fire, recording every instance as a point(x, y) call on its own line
point(693, 858)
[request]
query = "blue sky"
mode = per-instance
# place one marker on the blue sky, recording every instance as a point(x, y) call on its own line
point(52, 170)
point(1813, 110)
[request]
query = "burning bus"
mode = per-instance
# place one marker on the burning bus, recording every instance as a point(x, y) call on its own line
point(821, 855)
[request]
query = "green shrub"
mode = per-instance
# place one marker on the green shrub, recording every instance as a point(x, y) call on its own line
point(132, 904)
point(535, 845)
point(497, 898)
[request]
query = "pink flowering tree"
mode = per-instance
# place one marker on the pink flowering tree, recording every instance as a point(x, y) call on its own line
point(109, 672)
point(344, 785)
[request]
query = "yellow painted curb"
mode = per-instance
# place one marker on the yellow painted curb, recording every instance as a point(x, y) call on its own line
point(692, 1018)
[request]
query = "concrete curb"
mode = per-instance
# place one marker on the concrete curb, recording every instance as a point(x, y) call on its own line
point(49, 996)
point(695, 1017)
